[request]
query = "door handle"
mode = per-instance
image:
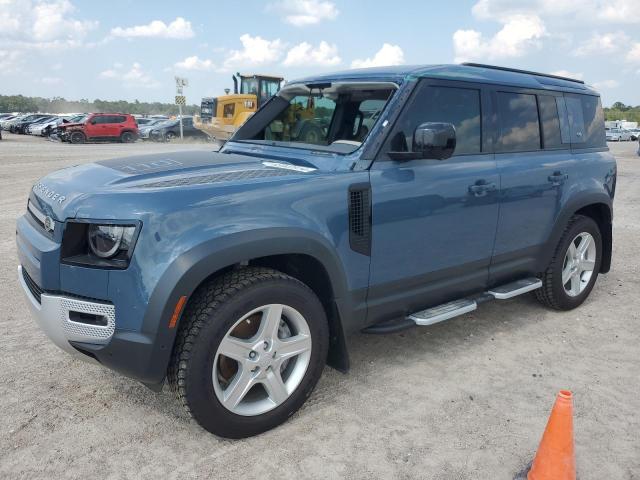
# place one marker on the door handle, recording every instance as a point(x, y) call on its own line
point(557, 178)
point(481, 188)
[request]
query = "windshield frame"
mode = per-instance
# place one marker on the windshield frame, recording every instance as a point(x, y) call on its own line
point(288, 92)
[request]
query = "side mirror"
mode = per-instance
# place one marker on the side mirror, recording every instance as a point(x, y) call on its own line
point(431, 141)
point(435, 140)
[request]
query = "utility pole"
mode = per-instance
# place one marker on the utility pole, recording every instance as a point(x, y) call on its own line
point(180, 99)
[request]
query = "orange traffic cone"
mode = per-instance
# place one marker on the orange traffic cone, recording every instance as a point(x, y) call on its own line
point(555, 458)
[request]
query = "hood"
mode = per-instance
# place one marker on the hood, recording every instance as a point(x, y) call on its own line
point(69, 124)
point(62, 193)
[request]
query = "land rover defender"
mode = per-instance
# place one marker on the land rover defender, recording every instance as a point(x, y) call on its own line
point(237, 275)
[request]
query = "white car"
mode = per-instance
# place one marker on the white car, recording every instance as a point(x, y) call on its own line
point(612, 135)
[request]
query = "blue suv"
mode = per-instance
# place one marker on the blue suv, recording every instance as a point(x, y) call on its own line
point(236, 275)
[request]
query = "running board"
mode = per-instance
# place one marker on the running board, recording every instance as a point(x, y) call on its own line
point(443, 312)
point(516, 288)
point(456, 308)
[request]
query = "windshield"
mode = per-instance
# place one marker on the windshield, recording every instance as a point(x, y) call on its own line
point(334, 117)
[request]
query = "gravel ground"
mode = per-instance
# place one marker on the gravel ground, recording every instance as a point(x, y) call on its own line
point(465, 399)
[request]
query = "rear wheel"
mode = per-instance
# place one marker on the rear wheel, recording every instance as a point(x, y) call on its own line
point(574, 268)
point(127, 137)
point(77, 137)
point(251, 348)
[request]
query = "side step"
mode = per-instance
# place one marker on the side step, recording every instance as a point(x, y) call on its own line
point(516, 288)
point(443, 312)
point(456, 308)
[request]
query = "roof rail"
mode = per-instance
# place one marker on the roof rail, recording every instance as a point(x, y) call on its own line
point(515, 70)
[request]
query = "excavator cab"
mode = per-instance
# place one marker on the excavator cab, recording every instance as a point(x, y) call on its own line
point(227, 112)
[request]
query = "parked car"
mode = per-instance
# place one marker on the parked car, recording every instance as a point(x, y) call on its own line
point(11, 125)
point(612, 135)
point(45, 128)
point(120, 127)
point(170, 130)
point(236, 275)
point(24, 127)
point(6, 122)
point(147, 127)
point(634, 133)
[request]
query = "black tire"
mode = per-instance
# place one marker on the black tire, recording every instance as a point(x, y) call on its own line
point(310, 134)
point(77, 137)
point(211, 312)
point(553, 294)
point(127, 137)
point(170, 136)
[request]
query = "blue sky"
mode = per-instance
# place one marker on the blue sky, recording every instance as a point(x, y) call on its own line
point(132, 50)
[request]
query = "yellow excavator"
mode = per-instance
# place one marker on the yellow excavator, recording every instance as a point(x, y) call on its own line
point(221, 116)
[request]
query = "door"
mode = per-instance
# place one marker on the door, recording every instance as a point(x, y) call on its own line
point(433, 221)
point(534, 157)
point(94, 127)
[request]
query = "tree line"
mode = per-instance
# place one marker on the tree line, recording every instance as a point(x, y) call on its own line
point(620, 111)
point(20, 103)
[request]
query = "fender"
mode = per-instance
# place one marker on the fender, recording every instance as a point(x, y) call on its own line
point(576, 203)
point(188, 271)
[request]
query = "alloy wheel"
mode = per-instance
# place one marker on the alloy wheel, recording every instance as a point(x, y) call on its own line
point(261, 360)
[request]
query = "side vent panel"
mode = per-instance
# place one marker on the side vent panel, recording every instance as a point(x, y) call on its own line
point(360, 218)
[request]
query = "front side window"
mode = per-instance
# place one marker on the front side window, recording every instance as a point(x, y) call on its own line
point(519, 125)
point(249, 86)
point(458, 106)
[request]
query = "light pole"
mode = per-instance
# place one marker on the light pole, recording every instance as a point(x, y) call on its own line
point(180, 99)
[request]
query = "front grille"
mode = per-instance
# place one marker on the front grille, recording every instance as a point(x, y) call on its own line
point(33, 287)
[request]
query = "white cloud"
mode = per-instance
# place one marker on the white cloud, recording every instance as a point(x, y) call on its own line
point(178, 29)
point(518, 34)
point(606, 84)
point(567, 11)
point(602, 44)
point(568, 74)
point(10, 61)
point(620, 11)
point(304, 54)
point(633, 55)
point(255, 51)
point(135, 77)
point(26, 24)
point(387, 55)
point(304, 12)
point(195, 63)
point(51, 80)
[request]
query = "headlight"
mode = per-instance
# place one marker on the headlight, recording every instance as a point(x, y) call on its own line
point(102, 245)
point(107, 241)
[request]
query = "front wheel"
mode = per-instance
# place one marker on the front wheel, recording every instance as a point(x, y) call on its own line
point(574, 268)
point(251, 348)
point(77, 137)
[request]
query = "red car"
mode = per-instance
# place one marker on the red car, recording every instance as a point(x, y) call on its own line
point(119, 127)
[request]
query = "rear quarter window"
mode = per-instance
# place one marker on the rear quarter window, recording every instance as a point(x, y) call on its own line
point(586, 120)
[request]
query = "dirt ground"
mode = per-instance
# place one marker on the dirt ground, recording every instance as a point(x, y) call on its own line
point(464, 399)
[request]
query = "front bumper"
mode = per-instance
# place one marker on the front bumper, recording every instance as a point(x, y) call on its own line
point(93, 323)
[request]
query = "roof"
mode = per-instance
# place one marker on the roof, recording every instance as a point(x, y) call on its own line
point(468, 72)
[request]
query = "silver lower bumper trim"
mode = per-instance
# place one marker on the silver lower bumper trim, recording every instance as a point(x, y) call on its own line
point(52, 314)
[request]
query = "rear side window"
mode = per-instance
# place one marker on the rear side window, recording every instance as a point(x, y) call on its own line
point(519, 125)
point(550, 120)
point(458, 106)
point(119, 119)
